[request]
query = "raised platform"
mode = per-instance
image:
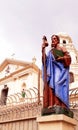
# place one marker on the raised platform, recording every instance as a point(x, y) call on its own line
point(55, 122)
point(57, 110)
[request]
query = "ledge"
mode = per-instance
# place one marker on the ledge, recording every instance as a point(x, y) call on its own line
point(56, 118)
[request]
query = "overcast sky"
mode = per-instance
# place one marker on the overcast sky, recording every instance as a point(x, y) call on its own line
point(24, 22)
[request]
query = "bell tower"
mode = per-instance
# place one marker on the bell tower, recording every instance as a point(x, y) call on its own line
point(66, 41)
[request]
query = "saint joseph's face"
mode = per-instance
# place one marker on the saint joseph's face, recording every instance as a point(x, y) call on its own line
point(54, 41)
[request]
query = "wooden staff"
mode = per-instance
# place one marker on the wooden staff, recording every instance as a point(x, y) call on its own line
point(45, 91)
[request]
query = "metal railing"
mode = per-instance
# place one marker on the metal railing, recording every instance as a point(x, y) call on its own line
point(73, 97)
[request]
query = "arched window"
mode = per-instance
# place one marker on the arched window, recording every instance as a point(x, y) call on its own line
point(64, 41)
point(23, 85)
point(4, 94)
point(71, 77)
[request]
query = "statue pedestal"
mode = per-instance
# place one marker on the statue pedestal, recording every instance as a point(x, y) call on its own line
point(56, 122)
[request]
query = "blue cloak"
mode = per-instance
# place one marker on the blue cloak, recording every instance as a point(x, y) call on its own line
point(58, 78)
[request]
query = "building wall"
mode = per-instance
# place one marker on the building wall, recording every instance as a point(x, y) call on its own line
point(30, 80)
point(20, 117)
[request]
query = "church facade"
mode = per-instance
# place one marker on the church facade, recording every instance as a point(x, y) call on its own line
point(19, 76)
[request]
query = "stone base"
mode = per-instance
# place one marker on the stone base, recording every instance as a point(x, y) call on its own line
point(55, 122)
point(57, 110)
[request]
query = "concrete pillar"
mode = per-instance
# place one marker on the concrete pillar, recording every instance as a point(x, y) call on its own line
point(56, 122)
